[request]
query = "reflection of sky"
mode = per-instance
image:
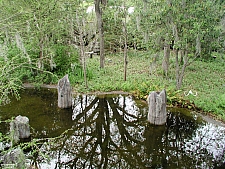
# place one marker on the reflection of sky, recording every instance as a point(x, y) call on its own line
point(114, 133)
point(80, 103)
point(207, 140)
point(130, 107)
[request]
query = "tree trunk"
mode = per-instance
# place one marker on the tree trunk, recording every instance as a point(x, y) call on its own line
point(83, 57)
point(146, 30)
point(98, 12)
point(82, 49)
point(64, 93)
point(152, 67)
point(125, 44)
point(180, 73)
point(177, 68)
point(157, 114)
point(165, 63)
point(125, 61)
point(138, 20)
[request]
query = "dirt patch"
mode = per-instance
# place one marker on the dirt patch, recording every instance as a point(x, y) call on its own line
point(211, 119)
point(104, 93)
point(29, 85)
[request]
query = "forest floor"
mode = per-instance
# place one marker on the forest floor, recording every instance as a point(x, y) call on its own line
point(204, 81)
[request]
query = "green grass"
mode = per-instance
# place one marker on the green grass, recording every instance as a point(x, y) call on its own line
point(205, 78)
point(208, 80)
point(112, 76)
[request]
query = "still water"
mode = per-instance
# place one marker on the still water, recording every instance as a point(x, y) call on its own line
point(111, 131)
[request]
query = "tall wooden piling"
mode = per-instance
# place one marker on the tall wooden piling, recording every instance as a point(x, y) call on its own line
point(157, 108)
point(64, 93)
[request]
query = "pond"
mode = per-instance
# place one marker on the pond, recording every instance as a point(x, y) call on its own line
point(111, 131)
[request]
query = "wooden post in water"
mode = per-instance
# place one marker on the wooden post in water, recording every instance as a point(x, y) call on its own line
point(64, 93)
point(157, 108)
point(20, 128)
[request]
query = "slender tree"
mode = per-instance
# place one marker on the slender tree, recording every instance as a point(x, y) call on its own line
point(125, 39)
point(191, 25)
point(99, 11)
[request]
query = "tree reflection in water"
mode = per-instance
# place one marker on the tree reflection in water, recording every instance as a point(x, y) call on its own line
point(112, 132)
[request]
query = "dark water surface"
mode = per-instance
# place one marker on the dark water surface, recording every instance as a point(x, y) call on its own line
point(111, 131)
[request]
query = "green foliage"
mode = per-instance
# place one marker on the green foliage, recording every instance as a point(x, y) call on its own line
point(32, 148)
point(188, 22)
point(207, 79)
point(173, 96)
point(221, 101)
point(36, 40)
point(204, 77)
point(9, 82)
point(65, 59)
point(76, 76)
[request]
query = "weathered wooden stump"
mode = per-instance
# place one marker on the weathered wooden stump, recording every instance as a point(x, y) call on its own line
point(20, 128)
point(64, 93)
point(157, 108)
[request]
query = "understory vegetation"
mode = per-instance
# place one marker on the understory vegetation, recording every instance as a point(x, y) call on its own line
point(203, 87)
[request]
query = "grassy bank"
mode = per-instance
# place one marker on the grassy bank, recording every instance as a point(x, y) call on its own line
point(204, 78)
